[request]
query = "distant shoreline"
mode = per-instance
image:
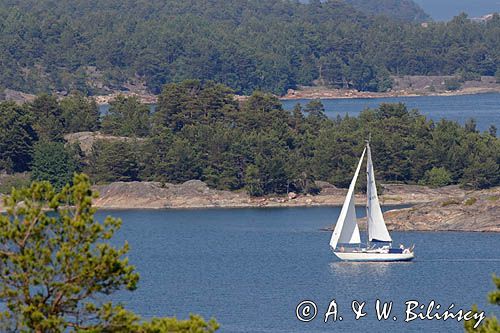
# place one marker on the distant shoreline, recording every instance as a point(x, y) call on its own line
point(448, 208)
point(406, 86)
point(351, 94)
point(321, 94)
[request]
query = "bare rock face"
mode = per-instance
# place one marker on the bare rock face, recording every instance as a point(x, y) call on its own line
point(474, 211)
point(191, 194)
point(406, 194)
point(445, 209)
point(87, 139)
point(17, 96)
point(329, 189)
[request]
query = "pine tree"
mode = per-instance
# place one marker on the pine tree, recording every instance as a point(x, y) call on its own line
point(56, 259)
point(53, 162)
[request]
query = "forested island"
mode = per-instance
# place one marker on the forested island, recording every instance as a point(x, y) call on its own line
point(96, 47)
point(200, 132)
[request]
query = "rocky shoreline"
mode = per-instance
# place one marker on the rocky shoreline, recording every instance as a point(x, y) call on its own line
point(196, 194)
point(476, 211)
point(405, 86)
point(351, 94)
point(448, 208)
point(443, 209)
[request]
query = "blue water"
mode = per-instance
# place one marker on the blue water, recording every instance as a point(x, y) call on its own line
point(249, 268)
point(484, 108)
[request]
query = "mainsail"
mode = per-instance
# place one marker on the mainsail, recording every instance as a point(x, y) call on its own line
point(377, 231)
point(346, 230)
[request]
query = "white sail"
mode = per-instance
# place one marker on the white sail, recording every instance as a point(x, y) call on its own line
point(377, 230)
point(346, 230)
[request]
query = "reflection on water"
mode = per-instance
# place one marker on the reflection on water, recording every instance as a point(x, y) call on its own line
point(347, 268)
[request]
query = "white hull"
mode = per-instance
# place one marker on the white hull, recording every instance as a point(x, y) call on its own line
point(374, 256)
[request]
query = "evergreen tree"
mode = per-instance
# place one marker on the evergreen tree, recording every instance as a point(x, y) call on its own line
point(193, 102)
point(17, 137)
point(252, 180)
point(52, 162)
point(491, 324)
point(297, 119)
point(182, 162)
point(481, 174)
point(127, 117)
point(114, 160)
point(67, 48)
point(436, 177)
point(48, 118)
point(80, 114)
point(55, 263)
point(492, 131)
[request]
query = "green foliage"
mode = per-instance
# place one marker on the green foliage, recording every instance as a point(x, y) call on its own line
point(55, 263)
point(127, 117)
point(489, 324)
point(482, 174)
point(114, 160)
point(67, 46)
point(492, 130)
point(253, 183)
point(264, 149)
point(494, 296)
point(53, 162)
point(470, 125)
point(48, 118)
point(436, 177)
point(192, 102)
point(406, 10)
point(315, 109)
point(195, 324)
point(17, 137)
point(201, 132)
point(183, 163)
point(80, 114)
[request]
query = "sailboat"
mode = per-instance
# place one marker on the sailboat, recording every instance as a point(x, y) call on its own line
point(346, 240)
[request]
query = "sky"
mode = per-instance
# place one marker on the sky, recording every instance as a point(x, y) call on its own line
point(444, 10)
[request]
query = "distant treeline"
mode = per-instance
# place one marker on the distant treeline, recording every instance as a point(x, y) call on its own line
point(268, 45)
point(200, 132)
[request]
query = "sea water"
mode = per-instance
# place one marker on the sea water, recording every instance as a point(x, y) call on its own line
point(250, 268)
point(484, 108)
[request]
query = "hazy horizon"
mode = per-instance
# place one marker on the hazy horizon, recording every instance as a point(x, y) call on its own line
point(444, 10)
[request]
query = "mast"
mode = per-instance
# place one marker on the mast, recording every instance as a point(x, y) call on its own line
point(377, 230)
point(367, 201)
